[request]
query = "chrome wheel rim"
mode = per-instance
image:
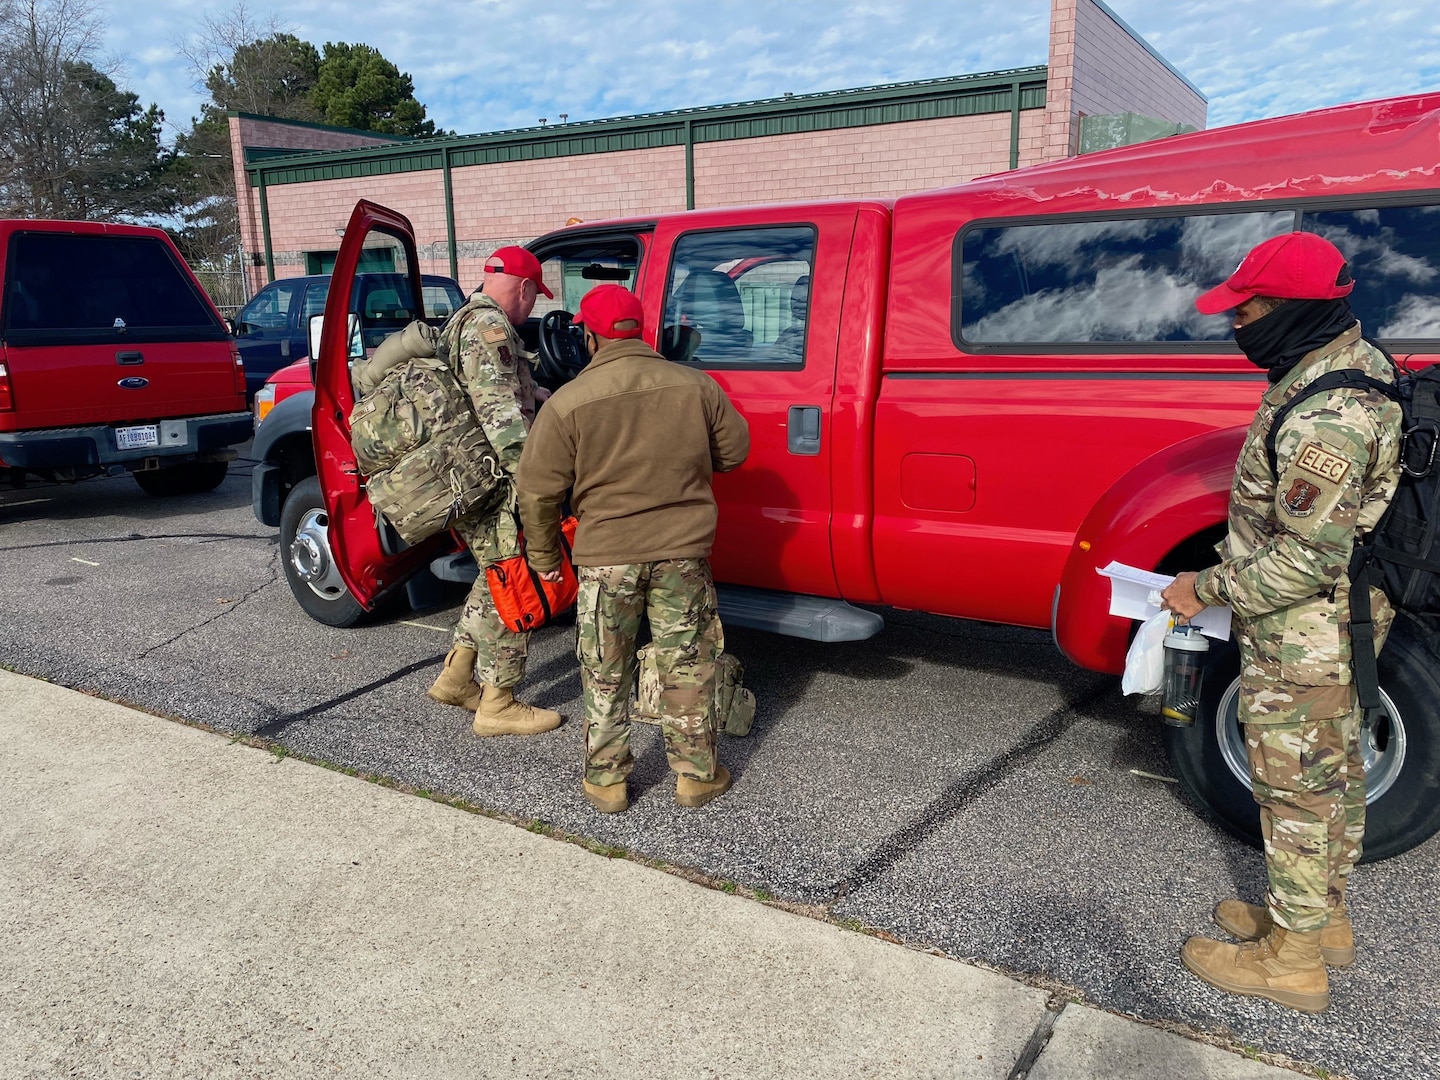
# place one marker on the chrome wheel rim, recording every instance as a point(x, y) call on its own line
point(1382, 743)
point(310, 556)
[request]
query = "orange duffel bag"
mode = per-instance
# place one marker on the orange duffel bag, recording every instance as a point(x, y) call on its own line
point(524, 600)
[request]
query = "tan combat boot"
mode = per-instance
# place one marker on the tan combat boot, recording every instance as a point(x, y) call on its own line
point(456, 683)
point(607, 798)
point(1251, 922)
point(1285, 967)
point(500, 714)
point(692, 792)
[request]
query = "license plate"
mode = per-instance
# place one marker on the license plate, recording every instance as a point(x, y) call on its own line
point(137, 438)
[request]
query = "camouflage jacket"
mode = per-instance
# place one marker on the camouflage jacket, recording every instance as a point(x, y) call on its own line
point(1284, 563)
point(481, 346)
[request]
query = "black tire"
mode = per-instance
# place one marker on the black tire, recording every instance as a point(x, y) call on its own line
point(1403, 779)
point(191, 478)
point(308, 563)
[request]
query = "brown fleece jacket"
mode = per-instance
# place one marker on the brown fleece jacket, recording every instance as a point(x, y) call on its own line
point(634, 441)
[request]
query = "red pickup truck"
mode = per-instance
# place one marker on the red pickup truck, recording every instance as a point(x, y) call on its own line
point(966, 401)
point(113, 361)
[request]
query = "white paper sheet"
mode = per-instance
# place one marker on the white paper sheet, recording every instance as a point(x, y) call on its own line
point(1135, 594)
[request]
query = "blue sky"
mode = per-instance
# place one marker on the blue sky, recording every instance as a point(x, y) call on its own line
point(485, 65)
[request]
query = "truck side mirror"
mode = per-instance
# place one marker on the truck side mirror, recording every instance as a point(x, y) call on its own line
point(357, 347)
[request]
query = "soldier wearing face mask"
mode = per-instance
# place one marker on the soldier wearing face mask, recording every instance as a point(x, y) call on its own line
point(1283, 572)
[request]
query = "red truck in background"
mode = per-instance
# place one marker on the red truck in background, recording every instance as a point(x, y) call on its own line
point(966, 401)
point(112, 361)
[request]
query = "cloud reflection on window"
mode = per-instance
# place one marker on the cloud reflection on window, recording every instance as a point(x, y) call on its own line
point(1096, 282)
point(1394, 255)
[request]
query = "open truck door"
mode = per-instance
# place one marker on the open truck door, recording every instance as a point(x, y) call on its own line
point(367, 553)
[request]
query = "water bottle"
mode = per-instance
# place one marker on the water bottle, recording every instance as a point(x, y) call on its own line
point(1185, 649)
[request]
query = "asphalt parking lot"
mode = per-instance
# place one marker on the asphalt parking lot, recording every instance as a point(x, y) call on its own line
point(956, 785)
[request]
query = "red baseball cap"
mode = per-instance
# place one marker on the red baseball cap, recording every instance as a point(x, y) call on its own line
point(605, 307)
point(1293, 266)
point(519, 262)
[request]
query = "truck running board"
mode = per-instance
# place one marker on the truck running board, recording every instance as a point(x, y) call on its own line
point(815, 617)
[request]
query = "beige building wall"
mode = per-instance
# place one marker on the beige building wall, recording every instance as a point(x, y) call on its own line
point(881, 162)
point(1098, 66)
point(266, 133)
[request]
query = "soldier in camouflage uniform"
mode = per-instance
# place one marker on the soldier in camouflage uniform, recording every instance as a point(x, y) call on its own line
point(1284, 573)
point(481, 346)
point(634, 441)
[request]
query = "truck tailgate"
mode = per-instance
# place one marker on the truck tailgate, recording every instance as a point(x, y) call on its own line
point(87, 384)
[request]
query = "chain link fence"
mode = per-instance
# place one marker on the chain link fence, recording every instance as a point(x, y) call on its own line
point(226, 288)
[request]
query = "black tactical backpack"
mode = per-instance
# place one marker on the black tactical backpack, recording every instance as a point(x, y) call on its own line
point(1401, 555)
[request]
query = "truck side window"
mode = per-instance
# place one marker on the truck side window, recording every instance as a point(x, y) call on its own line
point(438, 301)
point(270, 309)
point(1394, 255)
point(739, 297)
point(1111, 281)
point(316, 294)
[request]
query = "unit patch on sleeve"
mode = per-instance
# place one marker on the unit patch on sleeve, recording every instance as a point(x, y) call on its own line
point(1312, 486)
point(1314, 458)
point(1299, 500)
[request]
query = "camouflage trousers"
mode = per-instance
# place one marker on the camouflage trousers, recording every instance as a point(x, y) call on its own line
point(499, 651)
point(1309, 780)
point(678, 596)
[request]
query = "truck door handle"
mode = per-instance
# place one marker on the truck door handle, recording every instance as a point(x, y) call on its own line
point(129, 358)
point(804, 430)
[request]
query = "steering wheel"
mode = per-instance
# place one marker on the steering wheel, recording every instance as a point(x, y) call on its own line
point(562, 347)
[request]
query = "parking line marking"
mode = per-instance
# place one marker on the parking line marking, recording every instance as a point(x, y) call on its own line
point(426, 626)
point(87, 562)
point(26, 502)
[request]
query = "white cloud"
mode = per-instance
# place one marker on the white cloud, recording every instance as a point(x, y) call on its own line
point(483, 66)
point(1416, 317)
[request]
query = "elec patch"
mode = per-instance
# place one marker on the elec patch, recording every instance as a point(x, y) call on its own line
point(1318, 461)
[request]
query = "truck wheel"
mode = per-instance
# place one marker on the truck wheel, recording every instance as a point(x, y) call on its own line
point(1401, 749)
point(191, 478)
point(309, 566)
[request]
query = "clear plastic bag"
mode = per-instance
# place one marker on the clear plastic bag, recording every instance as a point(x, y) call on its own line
point(1145, 662)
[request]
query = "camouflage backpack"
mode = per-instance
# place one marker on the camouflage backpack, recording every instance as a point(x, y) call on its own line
point(416, 438)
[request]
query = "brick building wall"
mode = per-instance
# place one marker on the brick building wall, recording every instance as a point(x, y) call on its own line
point(315, 215)
point(856, 163)
point(267, 133)
point(514, 202)
point(1097, 67)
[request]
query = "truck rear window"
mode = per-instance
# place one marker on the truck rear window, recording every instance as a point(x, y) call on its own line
point(1115, 281)
point(112, 284)
point(1394, 254)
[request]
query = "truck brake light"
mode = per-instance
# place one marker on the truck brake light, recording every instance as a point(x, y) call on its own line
point(7, 398)
point(239, 368)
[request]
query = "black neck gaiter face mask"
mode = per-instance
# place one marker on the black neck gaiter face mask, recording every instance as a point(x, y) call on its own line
point(1276, 342)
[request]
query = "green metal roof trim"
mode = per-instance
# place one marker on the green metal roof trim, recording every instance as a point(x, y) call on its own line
point(254, 154)
point(929, 99)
